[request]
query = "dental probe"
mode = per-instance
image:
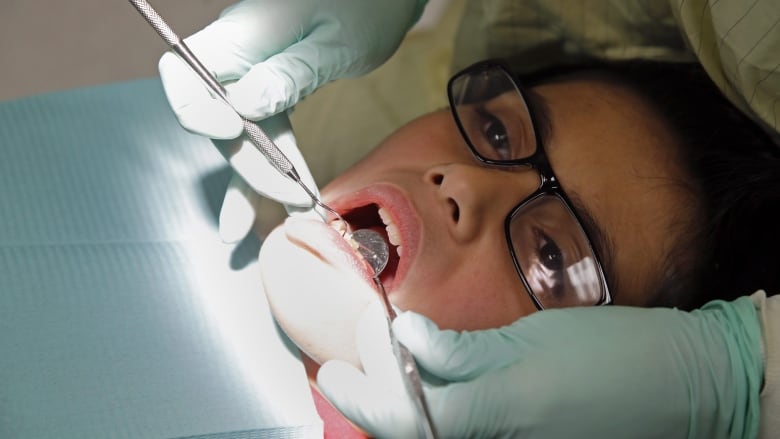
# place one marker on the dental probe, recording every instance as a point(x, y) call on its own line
point(256, 135)
point(370, 244)
point(376, 253)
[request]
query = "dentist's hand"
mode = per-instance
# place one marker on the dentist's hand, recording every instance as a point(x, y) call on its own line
point(270, 54)
point(585, 372)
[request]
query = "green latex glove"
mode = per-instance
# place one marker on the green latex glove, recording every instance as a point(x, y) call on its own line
point(269, 54)
point(606, 372)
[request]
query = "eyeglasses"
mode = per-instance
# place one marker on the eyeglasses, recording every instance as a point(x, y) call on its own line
point(550, 249)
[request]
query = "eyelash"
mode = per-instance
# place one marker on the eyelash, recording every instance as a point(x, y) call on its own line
point(544, 241)
point(489, 121)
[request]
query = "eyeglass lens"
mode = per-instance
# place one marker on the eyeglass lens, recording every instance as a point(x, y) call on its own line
point(493, 115)
point(554, 254)
point(550, 249)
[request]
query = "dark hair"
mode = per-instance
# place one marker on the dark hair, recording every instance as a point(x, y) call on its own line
point(734, 249)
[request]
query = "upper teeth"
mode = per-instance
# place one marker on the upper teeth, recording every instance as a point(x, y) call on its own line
point(393, 235)
point(339, 226)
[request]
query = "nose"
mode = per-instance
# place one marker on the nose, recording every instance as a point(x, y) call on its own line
point(472, 197)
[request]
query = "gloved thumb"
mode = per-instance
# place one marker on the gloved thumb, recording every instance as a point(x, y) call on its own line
point(458, 355)
point(375, 399)
point(278, 83)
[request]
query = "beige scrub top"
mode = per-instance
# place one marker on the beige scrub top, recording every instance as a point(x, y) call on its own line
point(737, 42)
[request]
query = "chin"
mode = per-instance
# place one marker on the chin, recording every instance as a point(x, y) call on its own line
point(301, 279)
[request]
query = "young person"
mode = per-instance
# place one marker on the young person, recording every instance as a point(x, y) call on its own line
point(626, 183)
point(733, 44)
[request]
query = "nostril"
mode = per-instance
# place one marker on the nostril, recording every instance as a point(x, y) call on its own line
point(455, 209)
point(437, 179)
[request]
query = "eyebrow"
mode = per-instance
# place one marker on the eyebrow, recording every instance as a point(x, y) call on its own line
point(603, 246)
point(540, 113)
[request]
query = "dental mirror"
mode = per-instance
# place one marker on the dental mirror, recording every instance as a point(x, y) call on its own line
point(373, 248)
point(375, 251)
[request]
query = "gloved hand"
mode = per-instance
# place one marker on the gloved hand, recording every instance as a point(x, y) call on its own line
point(270, 54)
point(585, 372)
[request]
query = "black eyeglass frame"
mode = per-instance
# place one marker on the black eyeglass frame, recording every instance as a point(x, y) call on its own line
point(538, 160)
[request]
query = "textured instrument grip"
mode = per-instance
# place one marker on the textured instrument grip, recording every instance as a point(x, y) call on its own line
point(253, 131)
point(268, 148)
point(156, 21)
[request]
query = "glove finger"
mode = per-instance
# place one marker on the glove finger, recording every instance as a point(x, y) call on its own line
point(365, 401)
point(259, 174)
point(211, 118)
point(243, 209)
point(237, 214)
point(197, 110)
point(480, 408)
point(376, 350)
point(458, 356)
point(284, 79)
point(229, 46)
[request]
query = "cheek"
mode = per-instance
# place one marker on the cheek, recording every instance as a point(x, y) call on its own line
point(462, 294)
point(464, 287)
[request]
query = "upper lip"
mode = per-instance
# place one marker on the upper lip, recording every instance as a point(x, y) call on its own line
point(398, 206)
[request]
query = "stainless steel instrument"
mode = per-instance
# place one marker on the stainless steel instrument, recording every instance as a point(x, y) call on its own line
point(256, 135)
point(375, 250)
point(370, 244)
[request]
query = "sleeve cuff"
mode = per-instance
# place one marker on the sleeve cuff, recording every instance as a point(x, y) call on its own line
point(769, 312)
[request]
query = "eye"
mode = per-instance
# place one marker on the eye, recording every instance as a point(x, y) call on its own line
point(550, 254)
point(496, 136)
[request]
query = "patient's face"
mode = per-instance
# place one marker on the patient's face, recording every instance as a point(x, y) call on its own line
point(606, 147)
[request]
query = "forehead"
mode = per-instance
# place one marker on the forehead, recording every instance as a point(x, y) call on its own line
point(612, 151)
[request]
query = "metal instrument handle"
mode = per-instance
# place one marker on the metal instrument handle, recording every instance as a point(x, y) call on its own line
point(411, 378)
point(413, 382)
point(256, 135)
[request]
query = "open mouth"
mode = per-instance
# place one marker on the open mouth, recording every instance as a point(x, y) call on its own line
point(378, 219)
